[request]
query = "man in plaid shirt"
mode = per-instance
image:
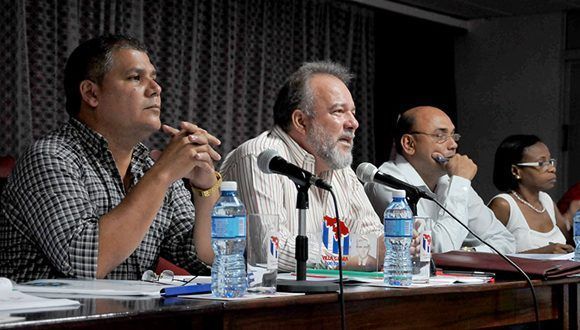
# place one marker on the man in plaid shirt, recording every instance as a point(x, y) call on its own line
point(88, 200)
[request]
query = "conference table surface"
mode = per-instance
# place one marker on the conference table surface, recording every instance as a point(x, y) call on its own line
point(499, 304)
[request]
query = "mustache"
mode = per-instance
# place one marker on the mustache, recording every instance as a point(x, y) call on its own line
point(347, 135)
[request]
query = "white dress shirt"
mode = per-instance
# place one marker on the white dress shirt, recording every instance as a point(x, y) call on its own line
point(457, 195)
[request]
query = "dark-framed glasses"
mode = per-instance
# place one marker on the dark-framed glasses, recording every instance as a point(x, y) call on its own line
point(544, 165)
point(440, 137)
point(166, 277)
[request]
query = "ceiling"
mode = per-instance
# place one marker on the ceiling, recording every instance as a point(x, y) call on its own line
point(474, 9)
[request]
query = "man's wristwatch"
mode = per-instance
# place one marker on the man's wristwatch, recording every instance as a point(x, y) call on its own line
point(211, 190)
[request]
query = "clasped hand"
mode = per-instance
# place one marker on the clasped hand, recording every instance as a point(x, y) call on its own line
point(189, 154)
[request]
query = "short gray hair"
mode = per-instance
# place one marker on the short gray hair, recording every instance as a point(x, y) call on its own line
point(297, 94)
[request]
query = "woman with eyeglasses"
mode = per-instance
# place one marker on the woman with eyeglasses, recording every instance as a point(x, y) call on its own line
point(523, 170)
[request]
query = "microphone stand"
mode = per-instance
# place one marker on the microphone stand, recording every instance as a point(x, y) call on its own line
point(412, 199)
point(301, 248)
point(301, 253)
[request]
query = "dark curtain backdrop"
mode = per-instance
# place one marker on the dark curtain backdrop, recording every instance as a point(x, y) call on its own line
point(415, 65)
point(220, 63)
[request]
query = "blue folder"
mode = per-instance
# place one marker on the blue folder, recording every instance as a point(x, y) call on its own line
point(186, 289)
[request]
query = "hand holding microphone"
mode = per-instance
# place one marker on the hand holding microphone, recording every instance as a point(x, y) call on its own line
point(459, 165)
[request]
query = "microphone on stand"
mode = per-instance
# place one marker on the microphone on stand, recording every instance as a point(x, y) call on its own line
point(367, 172)
point(270, 162)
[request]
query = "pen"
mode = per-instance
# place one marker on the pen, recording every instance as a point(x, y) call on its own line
point(465, 273)
point(185, 290)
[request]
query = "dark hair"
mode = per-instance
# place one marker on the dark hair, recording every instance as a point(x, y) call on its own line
point(510, 152)
point(404, 125)
point(297, 94)
point(91, 60)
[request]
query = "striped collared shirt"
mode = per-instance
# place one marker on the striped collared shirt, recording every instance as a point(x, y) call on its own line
point(276, 194)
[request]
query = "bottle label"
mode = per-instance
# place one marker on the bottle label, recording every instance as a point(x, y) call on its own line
point(228, 226)
point(577, 224)
point(398, 227)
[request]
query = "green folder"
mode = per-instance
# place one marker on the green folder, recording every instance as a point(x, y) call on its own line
point(350, 273)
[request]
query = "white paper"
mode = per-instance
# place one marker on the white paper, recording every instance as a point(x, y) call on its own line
point(9, 318)
point(92, 287)
point(247, 296)
point(104, 287)
point(541, 256)
point(446, 280)
point(12, 301)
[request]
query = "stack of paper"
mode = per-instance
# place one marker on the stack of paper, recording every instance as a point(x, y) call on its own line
point(12, 301)
point(93, 287)
point(542, 256)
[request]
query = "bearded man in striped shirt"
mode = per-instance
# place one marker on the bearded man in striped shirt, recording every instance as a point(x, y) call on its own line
point(315, 124)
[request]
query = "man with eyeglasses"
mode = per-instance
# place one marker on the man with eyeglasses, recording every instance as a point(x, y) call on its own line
point(426, 144)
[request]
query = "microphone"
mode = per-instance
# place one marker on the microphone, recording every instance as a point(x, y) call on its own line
point(270, 162)
point(441, 159)
point(367, 172)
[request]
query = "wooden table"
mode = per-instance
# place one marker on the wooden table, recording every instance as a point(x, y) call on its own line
point(460, 306)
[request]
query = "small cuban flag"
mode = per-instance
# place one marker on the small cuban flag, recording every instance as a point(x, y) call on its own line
point(330, 236)
point(274, 246)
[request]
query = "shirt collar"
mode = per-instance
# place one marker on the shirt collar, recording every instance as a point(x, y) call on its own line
point(98, 145)
point(411, 173)
point(296, 153)
point(94, 142)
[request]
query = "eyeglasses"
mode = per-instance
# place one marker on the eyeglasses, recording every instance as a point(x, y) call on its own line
point(544, 165)
point(166, 277)
point(441, 137)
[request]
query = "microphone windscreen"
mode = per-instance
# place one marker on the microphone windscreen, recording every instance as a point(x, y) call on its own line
point(366, 172)
point(264, 159)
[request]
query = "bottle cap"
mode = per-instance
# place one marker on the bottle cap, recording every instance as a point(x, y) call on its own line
point(399, 193)
point(229, 186)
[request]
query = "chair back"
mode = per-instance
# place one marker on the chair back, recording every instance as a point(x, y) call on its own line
point(6, 165)
point(164, 264)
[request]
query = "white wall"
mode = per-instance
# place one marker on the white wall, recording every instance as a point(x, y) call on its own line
point(509, 79)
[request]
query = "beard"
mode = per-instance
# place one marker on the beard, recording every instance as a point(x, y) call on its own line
point(327, 149)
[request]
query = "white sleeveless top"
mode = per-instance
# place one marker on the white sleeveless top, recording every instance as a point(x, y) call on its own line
point(527, 238)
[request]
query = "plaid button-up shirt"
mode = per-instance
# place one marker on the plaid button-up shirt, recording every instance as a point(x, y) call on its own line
point(51, 206)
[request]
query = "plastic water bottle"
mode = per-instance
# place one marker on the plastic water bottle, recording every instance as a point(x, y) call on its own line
point(228, 239)
point(398, 222)
point(577, 235)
